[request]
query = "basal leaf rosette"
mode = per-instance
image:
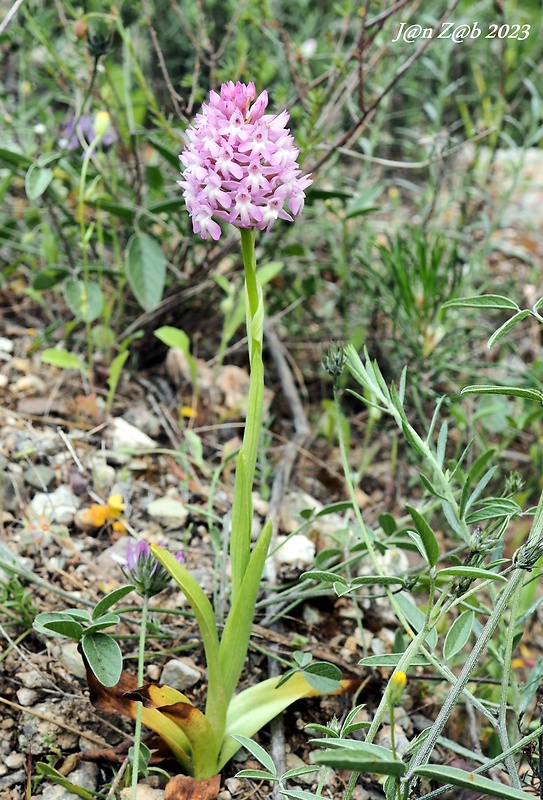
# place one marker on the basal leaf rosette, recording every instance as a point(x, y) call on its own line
point(240, 164)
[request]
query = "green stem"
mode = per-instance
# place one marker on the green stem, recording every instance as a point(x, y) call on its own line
point(242, 507)
point(139, 711)
point(252, 290)
point(507, 594)
point(85, 238)
point(507, 656)
point(418, 639)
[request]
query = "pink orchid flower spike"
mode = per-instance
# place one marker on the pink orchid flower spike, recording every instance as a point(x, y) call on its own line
point(240, 164)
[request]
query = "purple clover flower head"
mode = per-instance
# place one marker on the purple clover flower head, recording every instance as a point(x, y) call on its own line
point(141, 568)
point(85, 130)
point(240, 164)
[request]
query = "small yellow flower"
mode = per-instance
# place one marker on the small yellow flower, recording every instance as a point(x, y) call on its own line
point(396, 687)
point(102, 122)
point(115, 506)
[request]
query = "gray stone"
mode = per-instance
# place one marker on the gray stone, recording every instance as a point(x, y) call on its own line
point(10, 491)
point(68, 654)
point(104, 476)
point(39, 476)
point(6, 345)
point(180, 674)
point(12, 779)
point(32, 679)
point(15, 760)
point(36, 733)
point(26, 697)
point(125, 436)
point(144, 420)
point(168, 511)
point(58, 506)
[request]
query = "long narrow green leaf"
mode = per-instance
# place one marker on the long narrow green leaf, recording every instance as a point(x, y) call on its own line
point(482, 301)
point(370, 758)
point(242, 522)
point(253, 427)
point(470, 780)
point(237, 630)
point(203, 611)
point(509, 391)
point(507, 326)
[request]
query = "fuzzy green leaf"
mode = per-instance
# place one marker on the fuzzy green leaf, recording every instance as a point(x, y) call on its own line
point(104, 657)
point(324, 577)
point(145, 266)
point(110, 599)
point(482, 301)
point(63, 359)
point(392, 660)
point(367, 758)
point(58, 624)
point(470, 572)
point(37, 180)
point(84, 299)
point(429, 541)
point(507, 326)
point(470, 780)
point(323, 677)
point(458, 634)
point(258, 752)
point(105, 621)
point(508, 391)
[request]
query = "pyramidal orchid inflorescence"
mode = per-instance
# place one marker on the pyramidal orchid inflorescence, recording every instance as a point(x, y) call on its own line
point(240, 164)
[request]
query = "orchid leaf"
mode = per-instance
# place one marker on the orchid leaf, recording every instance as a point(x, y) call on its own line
point(119, 699)
point(199, 731)
point(237, 630)
point(255, 402)
point(242, 520)
point(203, 611)
point(253, 708)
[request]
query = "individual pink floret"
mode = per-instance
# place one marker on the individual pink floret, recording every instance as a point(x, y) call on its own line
point(240, 164)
